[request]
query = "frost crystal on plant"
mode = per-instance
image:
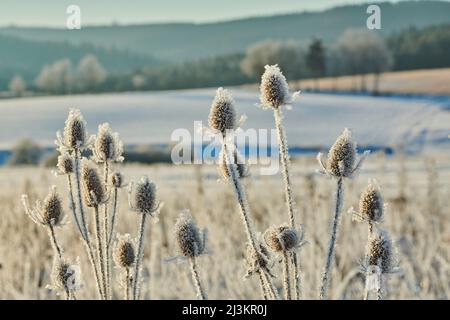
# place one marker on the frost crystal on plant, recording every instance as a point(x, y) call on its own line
point(222, 116)
point(274, 87)
point(107, 145)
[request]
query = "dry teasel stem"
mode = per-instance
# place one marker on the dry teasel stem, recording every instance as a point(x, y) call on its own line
point(191, 243)
point(241, 167)
point(125, 256)
point(48, 213)
point(107, 149)
point(275, 93)
point(341, 163)
point(94, 194)
point(142, 199)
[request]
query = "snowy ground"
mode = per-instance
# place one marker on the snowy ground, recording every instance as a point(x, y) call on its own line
point(315, 119)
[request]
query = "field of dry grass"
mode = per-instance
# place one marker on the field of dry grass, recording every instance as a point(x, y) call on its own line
point(418, 221)
point(429, 81)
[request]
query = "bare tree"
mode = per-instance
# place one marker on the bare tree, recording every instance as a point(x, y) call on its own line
point(17, 86)
point(90, 73)
point(288, 55)
point(363, 52)
point(55, 78)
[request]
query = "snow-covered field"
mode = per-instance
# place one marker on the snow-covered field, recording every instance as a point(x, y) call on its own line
point(315, 119)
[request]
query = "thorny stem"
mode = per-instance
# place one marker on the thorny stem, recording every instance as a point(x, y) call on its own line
point(287, 282)
point(201, 293)
point(127, 284)
point(84, 230)
point(245, 211)
point(139, 257)
point(72, 204)
point(105, 235)
point(368, 271)
point(326, 277)
point(290, 202)
point(272, 293)
point(51, 232)
point(264, 293)
point(100, 250)
point(113, 218)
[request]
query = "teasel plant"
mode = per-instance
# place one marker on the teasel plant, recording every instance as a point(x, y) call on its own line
point(124, 255)
point(71, 143)
point(191, 243)
point(284, 240)
point(142, 199)
point(49, 214)
point(66, 277)
point(342, 163)
point(380, 261)
point(95, 194)
point(222, 121)
point(107, 149)
point(275, 94)
point(371, 210)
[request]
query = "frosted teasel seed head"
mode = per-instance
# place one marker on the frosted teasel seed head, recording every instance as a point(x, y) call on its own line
point(222, 116)
point(371, 204)
point(124, 252)
point(241, 167)
point(117, 180)
point(282, 238)
point(65, 164)
point(48, 212)
point(65, 275)
point(142, 197)
point(94, 192)
point(107, 145)
point(75, 136)
point(191, 241)
point(274, 88)
point(342, 159)
point(380, 252)
point(256, 261)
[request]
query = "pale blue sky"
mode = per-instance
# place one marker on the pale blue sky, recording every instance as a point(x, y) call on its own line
point(97, 12)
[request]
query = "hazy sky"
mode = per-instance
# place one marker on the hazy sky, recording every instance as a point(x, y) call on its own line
point(53, 12)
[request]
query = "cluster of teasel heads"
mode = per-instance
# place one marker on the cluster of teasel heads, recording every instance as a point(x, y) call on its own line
point(93, 185)
point(341, 163)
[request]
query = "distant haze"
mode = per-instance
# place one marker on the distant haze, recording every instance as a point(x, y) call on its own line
point(51, 13)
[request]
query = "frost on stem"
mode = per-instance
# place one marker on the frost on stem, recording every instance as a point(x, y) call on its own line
point(237, 160)
point(342, 158)
point(222, 116)
point(107, 145)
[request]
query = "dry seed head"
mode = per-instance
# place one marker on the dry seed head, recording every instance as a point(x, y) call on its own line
point(281, 238)
point(52, 208)
point(66, 275)
point(124, 251)
point(107, 145)
point(241, 167)
point(222, 115)
point(190, 240)
point(371, 205)
point(65, 163)
point(342, 156)
point(380, 249)
point(75, 135)
point(274, 87)
point(117, 180)
point(94, 192)
point(142, 196)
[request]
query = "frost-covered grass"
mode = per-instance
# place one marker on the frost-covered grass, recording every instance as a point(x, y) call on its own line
point(419, 225)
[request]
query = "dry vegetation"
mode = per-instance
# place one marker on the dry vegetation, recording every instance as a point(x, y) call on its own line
point(294, 237)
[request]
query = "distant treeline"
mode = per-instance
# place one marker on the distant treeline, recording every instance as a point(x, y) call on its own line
point(355, 52)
